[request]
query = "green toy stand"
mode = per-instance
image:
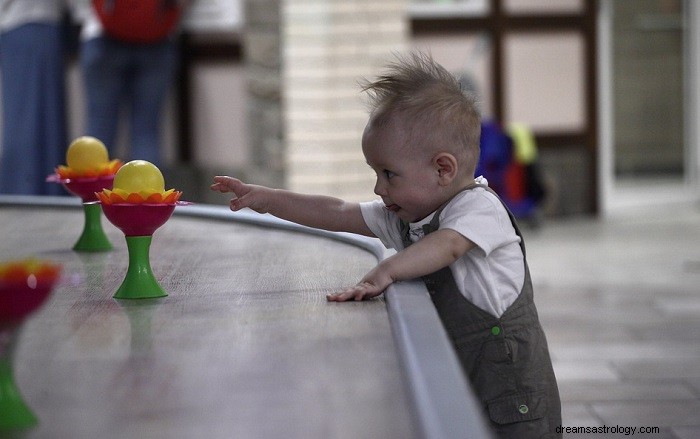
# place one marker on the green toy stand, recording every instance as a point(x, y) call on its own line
point(93, 238)
point(139, 282)
point(14, 413)
point(139, 222)
point(24, 286)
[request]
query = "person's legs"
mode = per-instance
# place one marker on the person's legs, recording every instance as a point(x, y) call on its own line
point(33, 104)
point(105, 65)
point(151, 81)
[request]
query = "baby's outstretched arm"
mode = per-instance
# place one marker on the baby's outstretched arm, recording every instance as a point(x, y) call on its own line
point(318, 211)
point(435, 251)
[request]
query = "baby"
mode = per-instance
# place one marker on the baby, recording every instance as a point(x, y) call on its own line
point(422, 141)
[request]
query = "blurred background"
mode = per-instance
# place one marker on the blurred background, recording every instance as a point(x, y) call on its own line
point(267, 90)
point(606, 91)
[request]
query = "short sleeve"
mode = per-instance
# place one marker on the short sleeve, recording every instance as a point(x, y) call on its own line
point(383, 223)
point(479, 216)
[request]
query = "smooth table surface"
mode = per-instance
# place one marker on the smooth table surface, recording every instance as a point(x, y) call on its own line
point(244, 346)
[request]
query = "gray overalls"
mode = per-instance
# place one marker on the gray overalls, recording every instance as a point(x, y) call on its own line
point(506, 359)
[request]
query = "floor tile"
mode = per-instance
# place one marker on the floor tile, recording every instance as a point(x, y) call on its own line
point(620, 433)
point(653, 413)
point(631, 351)
point(619, 300)
point(575, 414)
point(567, 370)
point(687, 432)
point(686, 330)
point(659, 369)
point(605, 390)
point(694, 383)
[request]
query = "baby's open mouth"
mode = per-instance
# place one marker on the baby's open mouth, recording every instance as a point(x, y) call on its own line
point(392, 207)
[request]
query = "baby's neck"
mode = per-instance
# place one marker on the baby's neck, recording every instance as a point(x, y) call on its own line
point(454, 188)
point(458, 185)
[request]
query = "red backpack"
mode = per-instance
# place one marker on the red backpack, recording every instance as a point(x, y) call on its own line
point(138, 21)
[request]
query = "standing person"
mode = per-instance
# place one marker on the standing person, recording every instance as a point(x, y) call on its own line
point(32, 67)
point(129, 57)
point(422, 141)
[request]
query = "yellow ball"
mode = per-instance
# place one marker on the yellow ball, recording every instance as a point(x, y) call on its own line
point(86, 153)
point(139, 176)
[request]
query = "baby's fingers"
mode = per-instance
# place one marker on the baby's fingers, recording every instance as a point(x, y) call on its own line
point(238, 203)
point(218, 187)
point(339, 297)
point(358, 292)
point(226, 184)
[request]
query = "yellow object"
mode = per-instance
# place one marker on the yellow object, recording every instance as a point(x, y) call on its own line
point(118, 196)
point(86, 153)
point(524, 145)
point(139, 176)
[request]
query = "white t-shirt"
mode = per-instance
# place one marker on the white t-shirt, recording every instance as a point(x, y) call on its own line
point(14, 13)
point(492, 274)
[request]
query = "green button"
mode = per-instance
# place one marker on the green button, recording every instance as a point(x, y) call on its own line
point(523, 409)
point(495, 330)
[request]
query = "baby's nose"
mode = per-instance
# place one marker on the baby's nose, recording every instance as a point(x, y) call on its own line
point(379, 189)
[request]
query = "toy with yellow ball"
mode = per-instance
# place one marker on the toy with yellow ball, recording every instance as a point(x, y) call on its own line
point(25, 284)
point(139, 182)
point(138, 205)
point(88, 170)
point(87, 157)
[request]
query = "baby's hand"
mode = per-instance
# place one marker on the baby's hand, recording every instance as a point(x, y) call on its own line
point(245, 195)
point(363, 290)
point(372, 285)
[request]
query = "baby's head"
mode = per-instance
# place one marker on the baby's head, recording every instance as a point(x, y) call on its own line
point(427, 104)
point(422, 138)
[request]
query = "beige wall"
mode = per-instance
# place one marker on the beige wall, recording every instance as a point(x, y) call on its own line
point(326, 47)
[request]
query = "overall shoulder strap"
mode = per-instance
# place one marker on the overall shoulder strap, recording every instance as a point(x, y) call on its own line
point(435, 221)
point(511, 216)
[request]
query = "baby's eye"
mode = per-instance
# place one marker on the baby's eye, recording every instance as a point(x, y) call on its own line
point(388, 174)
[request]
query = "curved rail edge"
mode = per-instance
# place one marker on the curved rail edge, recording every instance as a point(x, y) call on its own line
point(444, 401)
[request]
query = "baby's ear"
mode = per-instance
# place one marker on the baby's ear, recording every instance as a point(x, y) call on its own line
point(446, 166)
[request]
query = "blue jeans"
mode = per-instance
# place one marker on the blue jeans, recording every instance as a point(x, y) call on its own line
point(133, 77)
point(34, 138)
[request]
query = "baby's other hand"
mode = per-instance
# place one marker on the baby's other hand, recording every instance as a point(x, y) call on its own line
point(363, 290)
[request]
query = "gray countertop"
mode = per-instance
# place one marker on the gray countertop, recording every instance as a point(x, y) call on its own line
point(244, 346)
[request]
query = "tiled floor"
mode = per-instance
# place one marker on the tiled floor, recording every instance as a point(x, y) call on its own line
point(620, 301)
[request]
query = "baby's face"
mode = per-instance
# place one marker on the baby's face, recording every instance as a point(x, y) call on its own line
point(407, 182)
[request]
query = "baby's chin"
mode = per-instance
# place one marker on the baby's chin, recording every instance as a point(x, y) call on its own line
point(409, 217)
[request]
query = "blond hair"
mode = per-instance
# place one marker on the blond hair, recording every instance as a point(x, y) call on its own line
point(430, 102)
